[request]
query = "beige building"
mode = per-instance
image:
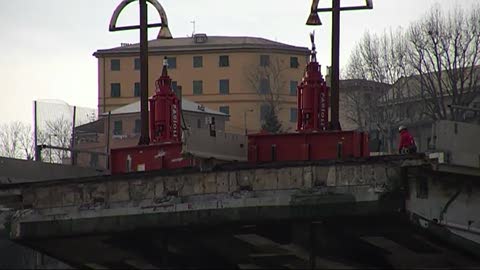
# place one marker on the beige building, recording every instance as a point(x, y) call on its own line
point(238, 76)
point(203, 134)
point(356, 96)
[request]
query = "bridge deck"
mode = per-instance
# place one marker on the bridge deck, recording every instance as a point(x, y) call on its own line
point(95, 213)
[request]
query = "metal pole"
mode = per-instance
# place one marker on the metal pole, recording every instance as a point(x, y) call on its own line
point(50, 150)
point(72, 143)
point(245, 122)
point(312, 239)
point(107, 133)
point(35, 133)
point(144, 137)
point(335, 65)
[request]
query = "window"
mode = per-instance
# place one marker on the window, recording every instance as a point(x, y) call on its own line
point(422, 188)
point(115, 64)
point(117, 127)
point(197, 87)
point(177, 89)
point(294, 62)
point(264, 86)
point(293, 88)
point(136, 89)
point(174, 85)
point(172, 62)
point(136, 64)
point(115, 90)
point(223, 61)
point(198, 61)
point(293, 114)
point(264, 60)
point(138, 126)
point(224, 87)
point(225, 110)
point(264, 111)
point(199, 123)
point(94, 160)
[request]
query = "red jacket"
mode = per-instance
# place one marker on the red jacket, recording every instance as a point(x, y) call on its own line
point(406, 140)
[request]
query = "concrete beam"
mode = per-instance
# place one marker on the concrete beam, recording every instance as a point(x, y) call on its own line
point(95, 266)
point(46, 226)
point(188, 197)
point(140, 264)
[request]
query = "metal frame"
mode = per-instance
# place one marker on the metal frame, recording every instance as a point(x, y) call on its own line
point(164, 30)
point(163, 34)
point(335, 76)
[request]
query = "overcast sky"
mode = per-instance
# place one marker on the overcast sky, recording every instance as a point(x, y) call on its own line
point(46, 46)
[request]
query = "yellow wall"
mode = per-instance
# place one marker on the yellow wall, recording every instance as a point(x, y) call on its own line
point(241, 97)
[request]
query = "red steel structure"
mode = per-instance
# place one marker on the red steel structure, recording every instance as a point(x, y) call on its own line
point(165, 152)
point(165, 112)
point(314, 139)
point(312, 98)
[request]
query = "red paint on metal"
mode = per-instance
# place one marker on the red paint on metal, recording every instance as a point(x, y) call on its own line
point(312, 98)
point(148, 158)
point(165, 112)
point(314, 140)
point(165, 134)
point(307, 146)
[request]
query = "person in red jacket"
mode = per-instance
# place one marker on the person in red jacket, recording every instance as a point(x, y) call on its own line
point(407, 143)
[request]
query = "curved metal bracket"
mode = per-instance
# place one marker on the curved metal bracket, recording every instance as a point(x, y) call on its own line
point(164, 30)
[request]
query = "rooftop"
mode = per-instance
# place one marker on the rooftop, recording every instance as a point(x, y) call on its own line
point(187, 105)
point(211, 43)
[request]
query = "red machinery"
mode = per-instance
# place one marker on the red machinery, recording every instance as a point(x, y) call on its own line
point(312, 98)
point(314, 139)
point(165, 112)
point(165, 134)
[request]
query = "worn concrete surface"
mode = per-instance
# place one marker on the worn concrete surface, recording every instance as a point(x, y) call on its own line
point(448, 204)
point(20, 171)
point(457, 140)
point(225, 195)
point(237, 215)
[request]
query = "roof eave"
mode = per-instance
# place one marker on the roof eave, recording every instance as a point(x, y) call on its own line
point(130, 51)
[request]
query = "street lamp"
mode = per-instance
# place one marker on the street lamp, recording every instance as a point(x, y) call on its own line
point(164, 33)
point(313, 19)
point(245, 120)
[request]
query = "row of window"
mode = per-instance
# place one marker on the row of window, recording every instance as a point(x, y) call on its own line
point(118, 127)
point(115, 63)
point(197, 86)
point(264, 110)
point(197, 62)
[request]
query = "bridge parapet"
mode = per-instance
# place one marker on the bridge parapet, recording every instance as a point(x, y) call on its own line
point(232, 193)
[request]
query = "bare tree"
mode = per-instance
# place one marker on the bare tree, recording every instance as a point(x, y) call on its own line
point(433, 64)
point(16, 140)
point(57, 133)
point(269, 83)
point(384, 60)
point(446, 56)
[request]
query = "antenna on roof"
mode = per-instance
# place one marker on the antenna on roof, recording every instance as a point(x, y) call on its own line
point(193, 32)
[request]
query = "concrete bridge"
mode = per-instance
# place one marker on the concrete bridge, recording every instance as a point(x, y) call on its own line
point(336, 214)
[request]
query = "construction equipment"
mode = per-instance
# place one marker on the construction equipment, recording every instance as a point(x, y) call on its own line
point(315, 138)
point(165, 152)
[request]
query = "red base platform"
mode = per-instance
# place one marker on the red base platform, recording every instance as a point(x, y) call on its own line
point(307, 146)
point(148, 157)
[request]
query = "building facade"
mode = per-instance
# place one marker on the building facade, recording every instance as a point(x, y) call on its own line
point(239, 76)
point(418, 102)
point(123, 128)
